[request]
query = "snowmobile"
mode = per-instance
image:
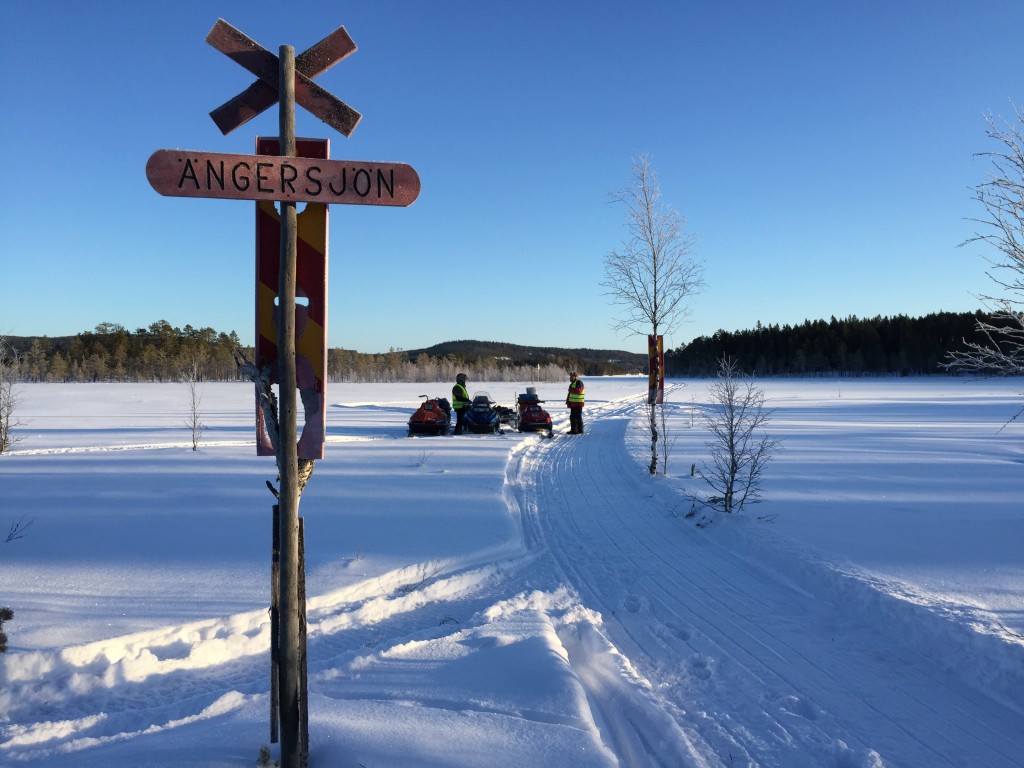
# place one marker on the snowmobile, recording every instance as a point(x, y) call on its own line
point(531, 417)
point(482, 416)
point(432, 417)
point(506, 415)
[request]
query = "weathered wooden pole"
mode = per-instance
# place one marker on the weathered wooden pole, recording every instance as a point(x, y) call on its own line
point(303, 655)
point(288, 458)
point(175, 173)
point(275, 626)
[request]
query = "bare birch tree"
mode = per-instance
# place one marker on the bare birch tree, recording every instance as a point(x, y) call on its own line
point(653, 274)
point(1002, 227)
point(10, 398)
point(1001, 350)
point(191, 377)
point(739, 449)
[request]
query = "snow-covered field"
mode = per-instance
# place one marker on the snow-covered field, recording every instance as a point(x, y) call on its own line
point(509, 600)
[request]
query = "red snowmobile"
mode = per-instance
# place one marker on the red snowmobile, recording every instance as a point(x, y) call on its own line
point(531, 417)
point(432, 417)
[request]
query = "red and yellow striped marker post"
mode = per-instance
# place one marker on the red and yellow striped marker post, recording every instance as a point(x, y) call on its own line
point(310, 310)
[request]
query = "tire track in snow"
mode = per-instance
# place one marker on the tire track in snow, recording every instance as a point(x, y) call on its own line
point(735, 648)
point(634, 722)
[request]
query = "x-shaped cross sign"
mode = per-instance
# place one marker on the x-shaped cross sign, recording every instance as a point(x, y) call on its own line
point(264, 93)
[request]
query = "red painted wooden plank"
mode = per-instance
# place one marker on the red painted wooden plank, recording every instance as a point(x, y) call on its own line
point(252, 56)
point(259, 96)
point(186, 173)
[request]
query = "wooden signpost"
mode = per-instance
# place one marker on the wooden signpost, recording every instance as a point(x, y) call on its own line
point(184, 173)
point(285, 79)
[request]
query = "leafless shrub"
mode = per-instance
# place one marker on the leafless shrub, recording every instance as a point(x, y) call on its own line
point(10, 398)
point(739, 449)
point(191, 377)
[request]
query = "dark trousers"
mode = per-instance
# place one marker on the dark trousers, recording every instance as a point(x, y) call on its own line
point(576, 420)
point(460, 420)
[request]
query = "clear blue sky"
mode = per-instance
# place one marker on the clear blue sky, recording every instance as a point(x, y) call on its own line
point(823, 153)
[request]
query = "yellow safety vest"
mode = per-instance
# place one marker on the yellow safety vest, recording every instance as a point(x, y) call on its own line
point(575, 392)
point(460, 396)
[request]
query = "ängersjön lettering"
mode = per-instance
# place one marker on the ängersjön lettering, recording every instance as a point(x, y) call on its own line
point(282, 178)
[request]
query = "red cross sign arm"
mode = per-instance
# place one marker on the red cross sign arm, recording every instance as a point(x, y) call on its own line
point(262, 94)
point(259, 96)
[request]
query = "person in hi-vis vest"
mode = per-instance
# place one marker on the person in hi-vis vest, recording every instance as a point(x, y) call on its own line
point(460, 402)
point(574, 401)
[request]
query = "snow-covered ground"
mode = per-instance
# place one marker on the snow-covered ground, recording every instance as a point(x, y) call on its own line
point(509, 600)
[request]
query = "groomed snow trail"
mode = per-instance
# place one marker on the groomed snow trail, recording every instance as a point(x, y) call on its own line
point(614, 632)
point(754, 669)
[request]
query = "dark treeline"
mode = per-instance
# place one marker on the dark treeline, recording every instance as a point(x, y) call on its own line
point(160, 352)
point(877, 346)
point(163, 352)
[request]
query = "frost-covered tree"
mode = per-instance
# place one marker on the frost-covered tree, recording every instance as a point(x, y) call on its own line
point(9, 396)
point(1001, 350)
point(653, 274)
point(191, 377)
point(739, 448)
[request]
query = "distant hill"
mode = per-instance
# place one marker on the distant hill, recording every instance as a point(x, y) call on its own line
point(592, 362)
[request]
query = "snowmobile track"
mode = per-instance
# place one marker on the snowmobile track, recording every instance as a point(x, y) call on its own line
point(728, 643)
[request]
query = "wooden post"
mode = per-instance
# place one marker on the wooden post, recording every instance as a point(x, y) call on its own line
point(280, 78)
point(287, 459)
point(303, 657)
point(275, 624)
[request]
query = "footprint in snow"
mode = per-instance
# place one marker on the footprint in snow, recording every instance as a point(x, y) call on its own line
point(798, 706)
point(632, 603)
point(700, 667)
point(683, 633)
point(672, 632)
